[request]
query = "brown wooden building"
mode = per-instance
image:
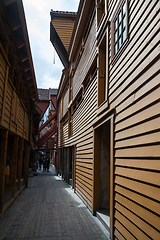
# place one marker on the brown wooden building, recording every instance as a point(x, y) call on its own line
point(18, 97)
point(109, 112)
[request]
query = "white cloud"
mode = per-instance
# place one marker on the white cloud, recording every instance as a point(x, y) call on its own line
point(38, 18)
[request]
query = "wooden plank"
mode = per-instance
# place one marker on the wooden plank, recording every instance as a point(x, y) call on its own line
point(140, 103)
point(152, 192)
point(87, 175)
point(82, 169)
point(139, 140)
point(82, 180)
point(86, 192)
point(129, 77)
point(148, 151)
point(138, 174)
point(85, 142)
point(82, 155)
point(84, 197)
point(127, 97)
point(147, 217)
point(84, 161)
point(123, 230)
point(85, 152)
point(140, 116)
point(145, 202)
point(137, 95)
point(90, 166)
point(131, 222)
point(140, 163)
point(143, 128)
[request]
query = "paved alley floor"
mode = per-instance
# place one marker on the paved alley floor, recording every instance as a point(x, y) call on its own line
point(49, 210)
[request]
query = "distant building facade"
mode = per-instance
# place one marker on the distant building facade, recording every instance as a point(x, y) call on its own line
point(47, 134)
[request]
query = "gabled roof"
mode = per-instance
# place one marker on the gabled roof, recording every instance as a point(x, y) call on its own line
point(61, 28)
point(43, 105)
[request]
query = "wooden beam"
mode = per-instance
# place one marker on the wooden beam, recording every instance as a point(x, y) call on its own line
point(2, 166)
point(8, 2)
point(28, 75)
point(25, 66)
point(20, 158)
point(17, 40)
point(14, 166)
point(22, 56)
point(14, 24)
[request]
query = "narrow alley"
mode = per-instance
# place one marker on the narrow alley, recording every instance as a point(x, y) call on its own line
point(49, 209)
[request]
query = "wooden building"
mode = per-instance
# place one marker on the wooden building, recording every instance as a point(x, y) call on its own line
point(109, 112)
point(19, 113)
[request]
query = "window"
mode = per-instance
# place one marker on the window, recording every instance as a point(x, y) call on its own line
point(120, 28)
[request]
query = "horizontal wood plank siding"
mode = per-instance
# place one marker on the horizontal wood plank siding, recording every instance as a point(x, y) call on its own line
point(2, 79)
point(89, 53)
point(134, 91)
point(66, 101)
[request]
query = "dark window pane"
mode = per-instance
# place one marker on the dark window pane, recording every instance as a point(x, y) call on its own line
point(119, 17)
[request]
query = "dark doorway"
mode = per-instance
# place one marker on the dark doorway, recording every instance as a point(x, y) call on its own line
point(105, 166)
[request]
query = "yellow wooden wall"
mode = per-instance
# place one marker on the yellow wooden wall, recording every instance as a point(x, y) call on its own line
point(87, 58)
point(134, 91)
point(15, 117)
point(134, 94)
point(82, 121)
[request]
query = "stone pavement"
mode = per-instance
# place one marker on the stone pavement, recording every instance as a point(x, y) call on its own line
point(49, 210)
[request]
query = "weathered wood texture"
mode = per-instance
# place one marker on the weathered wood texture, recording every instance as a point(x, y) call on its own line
point(87, 58)
point(133, 92)
point(13, 115)
point(134, 88)
point(66, 100)
point(82, 120)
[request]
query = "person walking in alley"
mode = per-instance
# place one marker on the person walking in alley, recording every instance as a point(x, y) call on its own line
point(44, 163)
point(40, 162)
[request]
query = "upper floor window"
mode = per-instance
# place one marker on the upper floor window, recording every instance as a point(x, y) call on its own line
point(120, 28)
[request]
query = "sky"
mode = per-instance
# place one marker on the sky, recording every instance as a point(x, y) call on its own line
point(37, 13)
